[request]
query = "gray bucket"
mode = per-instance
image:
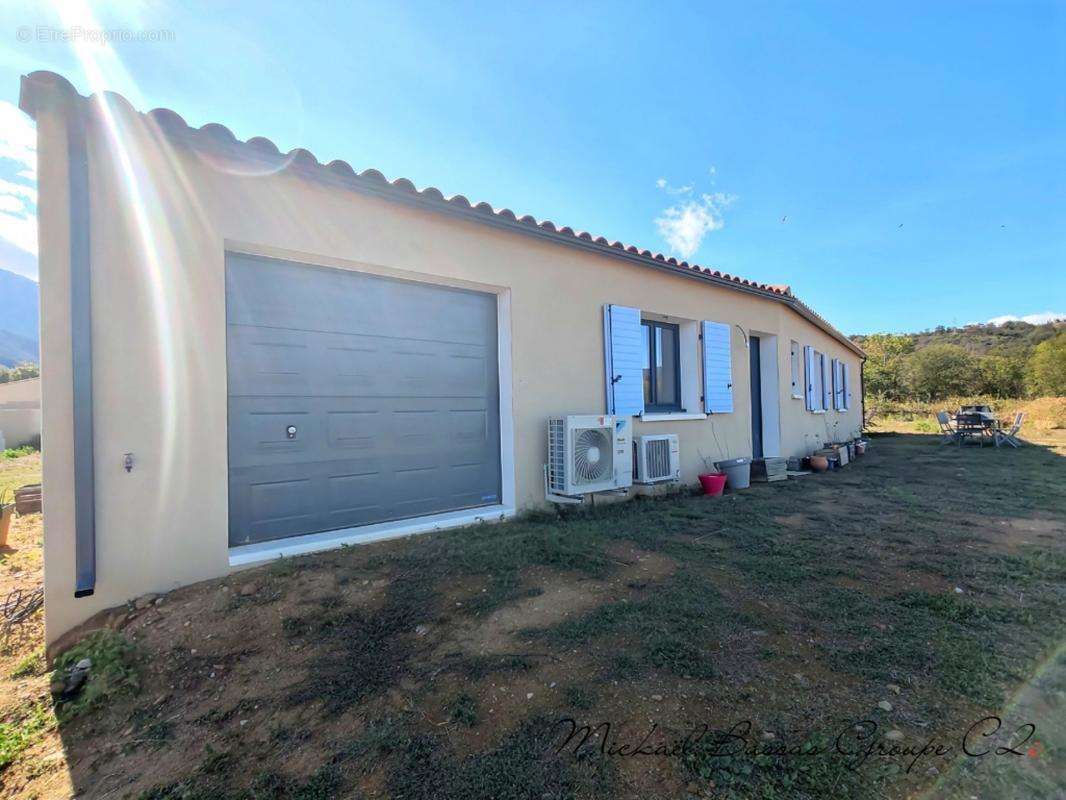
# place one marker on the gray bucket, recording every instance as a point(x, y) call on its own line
point(737, 472)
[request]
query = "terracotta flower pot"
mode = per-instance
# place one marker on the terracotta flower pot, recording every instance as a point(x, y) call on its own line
point(5, 521)
point(819, 463)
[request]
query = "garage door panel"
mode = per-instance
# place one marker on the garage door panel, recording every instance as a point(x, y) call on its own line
point(391, 385)
point(354, 430)
point(260, 434)
point(268, 361)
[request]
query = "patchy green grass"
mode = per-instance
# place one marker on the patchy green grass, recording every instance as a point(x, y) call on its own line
point(31, 664)
point(19, 734)
point(767, 771)
point(525, 766)
point(18, 472)
point(796, 605)
point(464, 710)
point(672, 629)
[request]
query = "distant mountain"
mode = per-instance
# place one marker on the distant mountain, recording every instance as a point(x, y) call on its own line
point(19, 319)
point(1015, 339)
point(15, 349)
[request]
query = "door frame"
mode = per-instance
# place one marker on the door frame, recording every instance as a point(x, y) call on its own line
point(770, 383)
point(244, 555)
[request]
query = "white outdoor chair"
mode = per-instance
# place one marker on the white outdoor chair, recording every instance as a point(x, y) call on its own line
point(1010, 436)
point(947, 430)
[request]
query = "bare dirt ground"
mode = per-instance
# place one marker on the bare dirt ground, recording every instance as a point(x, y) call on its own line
point(916, 591)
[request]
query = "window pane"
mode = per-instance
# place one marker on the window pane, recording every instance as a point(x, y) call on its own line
point(666, 373)
point(645, 340)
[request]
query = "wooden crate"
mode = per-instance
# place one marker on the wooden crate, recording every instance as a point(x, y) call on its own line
point(28, 499)
point(769, 470)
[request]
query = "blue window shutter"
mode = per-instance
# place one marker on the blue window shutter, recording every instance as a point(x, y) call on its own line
point(624, 360)
point(808, 374)
point(846, 389)
point(823, 366)
point(838, 391)
point(717, 368)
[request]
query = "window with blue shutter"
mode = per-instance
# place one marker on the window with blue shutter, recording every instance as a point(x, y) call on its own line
point(809, 377)
point(826, 388)
point(717, 368)
point(838, 386)
point(846, 393)
point(624, 360)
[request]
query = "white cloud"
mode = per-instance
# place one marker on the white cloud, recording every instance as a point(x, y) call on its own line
point(683, 226)
point(19, 231)
point(1033, 319)
point(663, 184)
point(18, 139)
point(18, 190)
point(18, 158)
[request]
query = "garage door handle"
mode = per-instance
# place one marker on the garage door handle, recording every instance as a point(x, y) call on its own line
point(291, 431)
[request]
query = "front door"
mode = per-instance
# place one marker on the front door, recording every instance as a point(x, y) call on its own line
point(756, 397)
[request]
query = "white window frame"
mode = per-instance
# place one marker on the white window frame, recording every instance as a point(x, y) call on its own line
point(818, 382)
point(688, 341)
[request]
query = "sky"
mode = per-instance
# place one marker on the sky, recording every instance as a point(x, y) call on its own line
point(900, 166)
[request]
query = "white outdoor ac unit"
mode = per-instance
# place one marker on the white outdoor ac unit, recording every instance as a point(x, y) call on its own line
point(589, 454)
point(657, 458)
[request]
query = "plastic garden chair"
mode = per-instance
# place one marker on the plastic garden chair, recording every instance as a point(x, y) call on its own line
point(1010, 436)
point(947, 430)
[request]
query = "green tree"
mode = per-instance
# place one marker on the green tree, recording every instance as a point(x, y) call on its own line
point(1046, 370)
point(939, 371)
point(1000, 376)
point(883, 374)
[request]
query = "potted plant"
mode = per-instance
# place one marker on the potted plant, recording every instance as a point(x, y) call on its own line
point(6, 510)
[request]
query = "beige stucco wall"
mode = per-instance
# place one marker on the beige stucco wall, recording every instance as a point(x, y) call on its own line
point(163, 217)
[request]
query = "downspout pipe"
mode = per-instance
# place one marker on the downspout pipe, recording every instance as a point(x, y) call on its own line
point(81, 338)
point(862, 392)
point(40, 92)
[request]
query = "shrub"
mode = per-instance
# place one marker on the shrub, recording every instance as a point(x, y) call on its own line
point(939, 371)
point(18, 452)
point(1046, 370)
point(113, 673)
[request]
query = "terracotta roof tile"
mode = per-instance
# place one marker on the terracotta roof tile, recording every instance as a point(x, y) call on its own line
point(173, 123)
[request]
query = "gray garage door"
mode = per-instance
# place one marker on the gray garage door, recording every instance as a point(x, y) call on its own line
point(355, 399)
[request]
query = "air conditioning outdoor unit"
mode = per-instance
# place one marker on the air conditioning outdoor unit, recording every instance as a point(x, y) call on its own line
point(588, 454)
point(657, 458)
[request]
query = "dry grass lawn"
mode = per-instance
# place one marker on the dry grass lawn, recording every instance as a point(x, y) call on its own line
point(915, 592)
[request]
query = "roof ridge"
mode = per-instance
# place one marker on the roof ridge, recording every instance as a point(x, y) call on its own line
point(171, 122)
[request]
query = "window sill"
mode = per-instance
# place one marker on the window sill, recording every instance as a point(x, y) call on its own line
point(818, 411)
point(667, 416)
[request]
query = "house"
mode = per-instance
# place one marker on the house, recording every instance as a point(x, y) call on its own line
point(20, 412)
point(249, 353)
